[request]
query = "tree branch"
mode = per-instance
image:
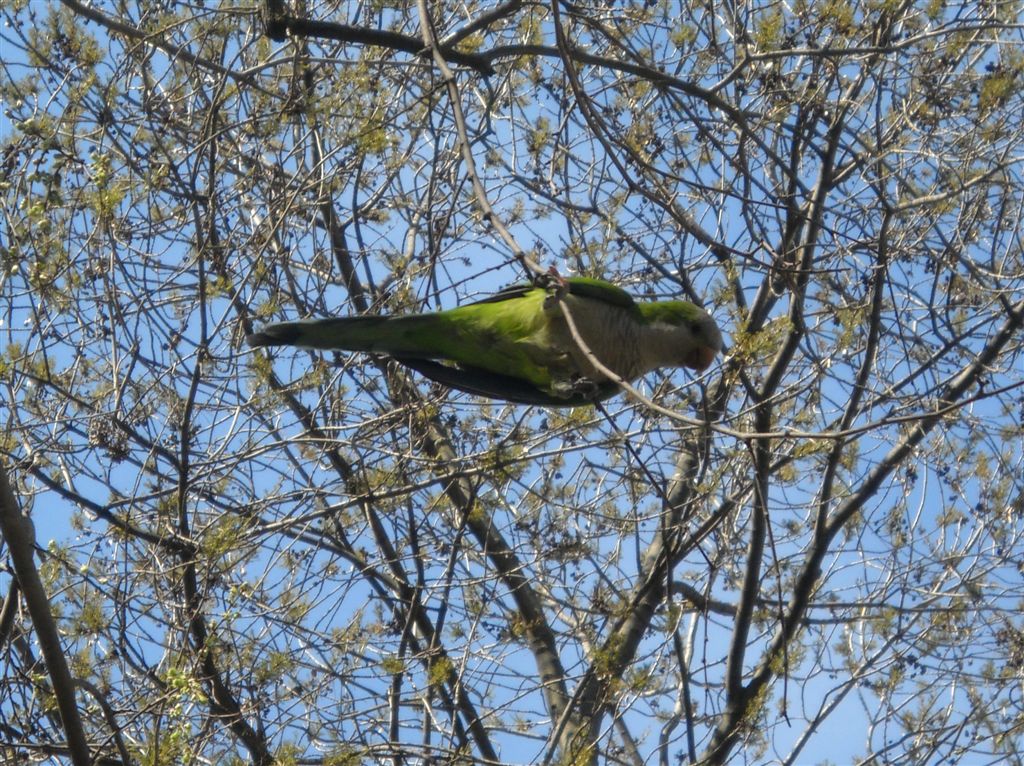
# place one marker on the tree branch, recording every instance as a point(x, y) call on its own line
point(279, 25)
point(19, 533)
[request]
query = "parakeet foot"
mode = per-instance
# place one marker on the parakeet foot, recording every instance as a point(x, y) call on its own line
point(550, 279)
point(576, 387)
point(555, 285)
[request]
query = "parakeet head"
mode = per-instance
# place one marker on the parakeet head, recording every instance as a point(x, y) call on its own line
point(688, 334)
point(709, 342)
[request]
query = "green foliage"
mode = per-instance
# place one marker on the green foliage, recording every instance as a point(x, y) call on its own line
point(440, 672)
point(768, 31)
point(540, 137)
point(287, 754)
point(1000, 83)
point(90, 618)
point(344, 756)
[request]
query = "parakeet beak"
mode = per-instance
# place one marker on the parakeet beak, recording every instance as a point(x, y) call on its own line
point(700, 358)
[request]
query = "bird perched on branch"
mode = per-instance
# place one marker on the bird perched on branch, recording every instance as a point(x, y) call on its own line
point(519, 346)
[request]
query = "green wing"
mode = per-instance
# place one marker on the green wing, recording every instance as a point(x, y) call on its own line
point(584, 287)
point(599, 290)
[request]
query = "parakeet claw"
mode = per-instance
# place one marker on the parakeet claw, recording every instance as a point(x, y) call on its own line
point(577, 387)
point(586, 388)
point(555, 285)
point(550, 279)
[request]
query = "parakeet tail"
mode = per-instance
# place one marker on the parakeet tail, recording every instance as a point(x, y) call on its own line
point(410, 336)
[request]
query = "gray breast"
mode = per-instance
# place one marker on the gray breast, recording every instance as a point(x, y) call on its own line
point(611, 334)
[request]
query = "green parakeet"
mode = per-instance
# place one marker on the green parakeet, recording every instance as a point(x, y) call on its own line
point(517, 346)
